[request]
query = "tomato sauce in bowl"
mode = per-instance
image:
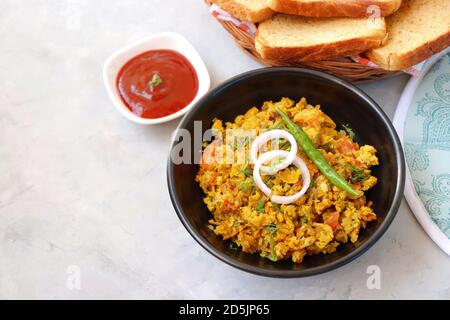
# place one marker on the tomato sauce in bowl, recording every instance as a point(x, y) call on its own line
point(157, 83)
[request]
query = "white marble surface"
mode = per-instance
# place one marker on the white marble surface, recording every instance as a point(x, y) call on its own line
point(81, 186)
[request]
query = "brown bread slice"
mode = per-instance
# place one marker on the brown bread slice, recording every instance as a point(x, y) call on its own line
point(335, 8)
point(418, 30)
point(295, 38)
point(248, 10)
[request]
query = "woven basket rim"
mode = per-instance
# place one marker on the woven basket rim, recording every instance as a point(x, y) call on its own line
point(349, 70)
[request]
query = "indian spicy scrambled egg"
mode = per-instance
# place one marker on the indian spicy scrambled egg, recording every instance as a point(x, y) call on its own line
point(316, 223)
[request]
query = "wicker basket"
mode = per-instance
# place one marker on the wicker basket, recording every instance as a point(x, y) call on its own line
point(347, 69)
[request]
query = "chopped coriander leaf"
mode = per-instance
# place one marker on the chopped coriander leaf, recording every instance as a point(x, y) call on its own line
point(236, 223)
point(358, 174)
point(272, 229)
point(275, 206)
point(340, 197)
point(269, 181)
point(241, 142)
point(304, 218)
point(247, 171)
point(278, 125)
point(329, 147)
point(284, 145)
point(273, 257)
point(312, 184)
point(156, 81)
point(275, 163)
point(260, 205)
point(349, 131)
point(233, 246)
point(247, 185)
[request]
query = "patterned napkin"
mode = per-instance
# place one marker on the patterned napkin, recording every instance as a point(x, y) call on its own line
point(427, 143)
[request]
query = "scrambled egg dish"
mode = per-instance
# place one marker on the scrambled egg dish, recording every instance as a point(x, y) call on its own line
point(317, 223)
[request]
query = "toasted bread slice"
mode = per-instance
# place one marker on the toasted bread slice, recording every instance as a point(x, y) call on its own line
point(248, 10)
point(336, 8)
point(418, 30)
point(295, 38)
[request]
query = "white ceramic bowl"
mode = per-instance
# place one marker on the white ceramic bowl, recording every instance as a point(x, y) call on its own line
point(165, 40)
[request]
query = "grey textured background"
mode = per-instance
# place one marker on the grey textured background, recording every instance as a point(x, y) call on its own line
point(81, 186)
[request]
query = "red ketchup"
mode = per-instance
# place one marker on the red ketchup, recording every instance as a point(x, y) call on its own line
point(157, 83)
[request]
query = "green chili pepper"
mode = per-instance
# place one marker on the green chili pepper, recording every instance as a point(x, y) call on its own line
point(316, 157)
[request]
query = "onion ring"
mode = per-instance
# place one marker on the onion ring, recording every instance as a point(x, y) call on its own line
point(268, 136)
point(298, 162)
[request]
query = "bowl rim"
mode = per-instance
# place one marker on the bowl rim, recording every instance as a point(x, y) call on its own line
point(358, 251)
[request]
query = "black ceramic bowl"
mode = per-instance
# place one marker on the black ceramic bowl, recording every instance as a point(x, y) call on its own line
point(346, 104)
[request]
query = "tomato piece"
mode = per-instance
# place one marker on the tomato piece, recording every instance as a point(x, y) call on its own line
point(331, 218)
point(346, 145)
